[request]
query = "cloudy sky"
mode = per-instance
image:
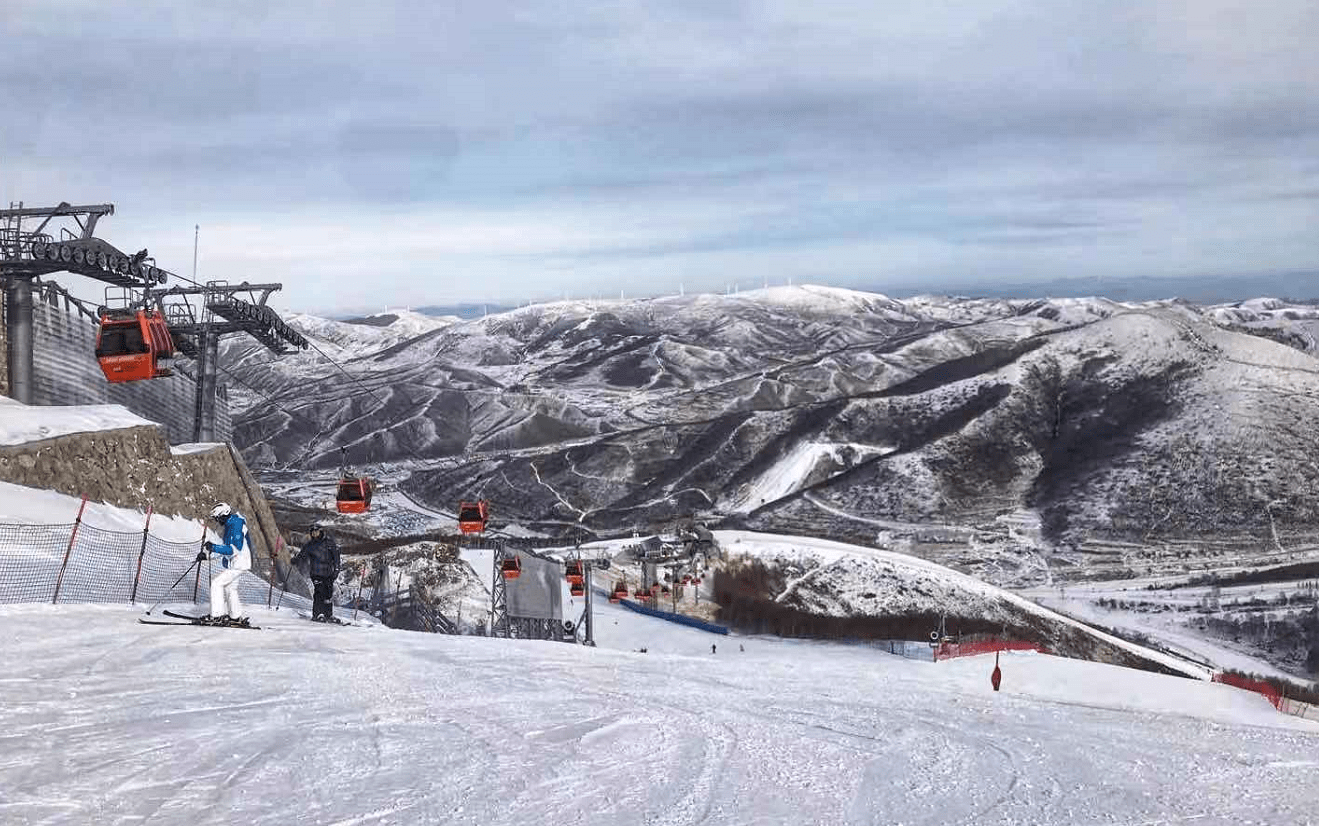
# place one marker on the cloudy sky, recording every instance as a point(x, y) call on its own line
point(431, 152)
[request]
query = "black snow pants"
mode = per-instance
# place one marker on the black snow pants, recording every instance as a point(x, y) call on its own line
point(322, 593)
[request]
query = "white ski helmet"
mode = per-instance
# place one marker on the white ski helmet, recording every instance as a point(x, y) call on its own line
point(221, 511)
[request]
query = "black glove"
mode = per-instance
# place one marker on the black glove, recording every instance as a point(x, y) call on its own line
point(209, 546)
point(201, 556)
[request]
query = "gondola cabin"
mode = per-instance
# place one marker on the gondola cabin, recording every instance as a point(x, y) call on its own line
point(472, 516)
point(511, 568)
point(354, 494)
point(134, 344)
point(573, 572)
point(619, 593)
point(577, 589)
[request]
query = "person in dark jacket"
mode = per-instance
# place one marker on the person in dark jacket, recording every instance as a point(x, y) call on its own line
point(321, 555)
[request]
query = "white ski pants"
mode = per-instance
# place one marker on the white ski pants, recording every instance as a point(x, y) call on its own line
point(224, 594)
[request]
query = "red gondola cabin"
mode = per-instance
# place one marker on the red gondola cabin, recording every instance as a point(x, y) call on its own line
point(354, 494)
point(511, 568)
point(573, 572)
point(472, 516)
point(619, 593)
point(132, 344)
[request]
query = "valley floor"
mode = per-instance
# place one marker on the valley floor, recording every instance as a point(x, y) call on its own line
point(105, 720)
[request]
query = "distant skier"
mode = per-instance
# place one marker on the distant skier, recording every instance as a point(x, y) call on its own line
point(235, 554)
point(712, 648)
point(322, 557)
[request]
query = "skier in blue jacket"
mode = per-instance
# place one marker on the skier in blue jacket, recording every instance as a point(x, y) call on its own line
point(235, 554)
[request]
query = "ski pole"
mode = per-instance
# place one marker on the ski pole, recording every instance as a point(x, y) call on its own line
point(186, 571)
point(283, 589)
point(197, 580)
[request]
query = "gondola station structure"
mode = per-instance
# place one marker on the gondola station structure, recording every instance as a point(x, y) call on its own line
point(143, 325)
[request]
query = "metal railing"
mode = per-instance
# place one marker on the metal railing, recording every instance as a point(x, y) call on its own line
point(412, 611)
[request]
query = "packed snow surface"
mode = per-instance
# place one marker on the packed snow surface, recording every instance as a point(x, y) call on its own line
point(21, 423)
point(109, 721)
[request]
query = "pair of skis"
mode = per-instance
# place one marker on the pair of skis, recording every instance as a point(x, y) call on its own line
point(328, 621)
point(191, 620)
point(197, 621)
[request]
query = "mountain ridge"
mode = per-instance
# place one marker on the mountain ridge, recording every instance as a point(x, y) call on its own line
point(1098, 421)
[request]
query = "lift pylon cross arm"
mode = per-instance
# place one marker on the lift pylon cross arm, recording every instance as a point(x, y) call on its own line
point(55, 246)
point(92, 211)
point(260, 322)
point(220, 300)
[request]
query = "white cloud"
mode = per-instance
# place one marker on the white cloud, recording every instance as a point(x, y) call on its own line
point(427, 152)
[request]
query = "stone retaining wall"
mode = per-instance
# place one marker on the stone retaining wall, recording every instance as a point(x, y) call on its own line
point(134, 467)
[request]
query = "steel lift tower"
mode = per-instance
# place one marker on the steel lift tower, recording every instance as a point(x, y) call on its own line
point(499, 623)
point(219, 311)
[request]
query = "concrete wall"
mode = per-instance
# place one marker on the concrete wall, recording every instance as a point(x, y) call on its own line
point(134, 467)
point(66, 372)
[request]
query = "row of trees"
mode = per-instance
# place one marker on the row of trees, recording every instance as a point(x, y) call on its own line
point(1294, 637)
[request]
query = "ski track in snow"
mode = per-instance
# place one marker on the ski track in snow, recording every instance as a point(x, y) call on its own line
point(109, 721)
point(792, 584)
point(880, 523)
point(536, 472)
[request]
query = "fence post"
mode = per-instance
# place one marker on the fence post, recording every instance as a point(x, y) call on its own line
point(72, 538)
point(274, 566)
point(132, 598)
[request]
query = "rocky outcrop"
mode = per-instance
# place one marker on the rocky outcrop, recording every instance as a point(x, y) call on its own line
point(134, 467)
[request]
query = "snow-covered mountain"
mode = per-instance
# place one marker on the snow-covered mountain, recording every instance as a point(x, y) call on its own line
point(1085, 430)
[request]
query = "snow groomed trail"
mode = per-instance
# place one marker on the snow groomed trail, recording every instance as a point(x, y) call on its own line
point(108, 721)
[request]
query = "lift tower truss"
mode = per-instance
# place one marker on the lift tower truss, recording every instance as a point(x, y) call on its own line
point(220, 309)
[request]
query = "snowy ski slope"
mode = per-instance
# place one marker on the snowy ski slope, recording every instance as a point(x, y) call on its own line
point(109, 721)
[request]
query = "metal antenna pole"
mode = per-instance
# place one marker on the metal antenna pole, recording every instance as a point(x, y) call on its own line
point(196, 233)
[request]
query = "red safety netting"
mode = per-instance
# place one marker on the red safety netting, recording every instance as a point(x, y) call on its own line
point(30, 557)
point(83, 563)
point(1270, 692)
point(950, 650)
